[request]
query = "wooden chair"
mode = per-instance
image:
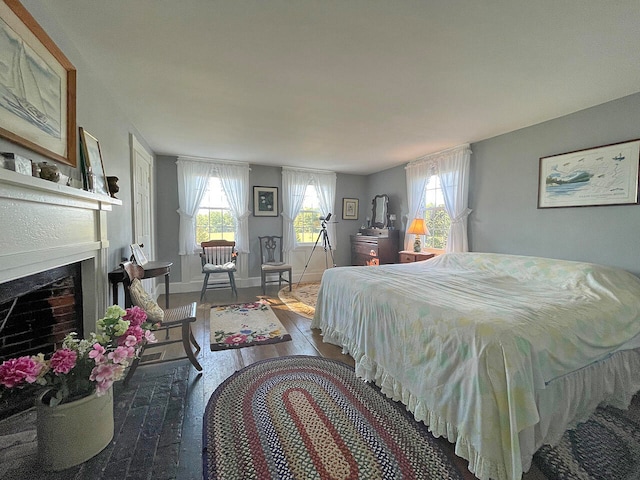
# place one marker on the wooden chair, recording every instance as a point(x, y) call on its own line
point(272, 262)
point(218, 257)
point(174, 318)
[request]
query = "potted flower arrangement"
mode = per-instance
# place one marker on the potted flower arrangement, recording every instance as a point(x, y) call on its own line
point(76, 379)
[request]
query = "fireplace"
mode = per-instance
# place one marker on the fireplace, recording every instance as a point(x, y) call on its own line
point(38, 311)
point(45, 228)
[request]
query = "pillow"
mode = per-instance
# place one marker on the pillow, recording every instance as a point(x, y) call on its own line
point(140, 298)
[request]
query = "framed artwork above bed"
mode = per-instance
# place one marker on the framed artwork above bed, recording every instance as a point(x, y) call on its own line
point(605, 175)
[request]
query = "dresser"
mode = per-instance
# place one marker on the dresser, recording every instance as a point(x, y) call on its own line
point(374, 246)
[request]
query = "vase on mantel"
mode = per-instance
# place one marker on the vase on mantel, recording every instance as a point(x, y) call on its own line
point(72, 433)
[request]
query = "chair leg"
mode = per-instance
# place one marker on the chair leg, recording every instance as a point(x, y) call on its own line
point(187, 335)
point(232, 281)
point(289, 279)
point(194, 342)
point(263, 281)
point(132, 370)
point(204, 286)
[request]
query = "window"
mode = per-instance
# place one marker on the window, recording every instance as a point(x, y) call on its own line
point(438, 221)
point(214, 220)
point(307, 222)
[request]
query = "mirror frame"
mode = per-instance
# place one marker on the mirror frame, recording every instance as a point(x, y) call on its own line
point(385, 204)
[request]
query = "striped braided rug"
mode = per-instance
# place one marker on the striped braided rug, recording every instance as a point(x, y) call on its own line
point(303, 417)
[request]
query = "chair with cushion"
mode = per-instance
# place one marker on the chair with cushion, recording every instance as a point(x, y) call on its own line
point(218, 257)
point(169, 319)
point(272, 262)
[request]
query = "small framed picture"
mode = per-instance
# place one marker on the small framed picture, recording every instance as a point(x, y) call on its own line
point(94, 177)
point(349, 208)
point(265, 201)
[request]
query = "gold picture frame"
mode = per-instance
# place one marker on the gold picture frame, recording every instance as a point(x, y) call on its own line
point(350, 208)
point(38, 100)
point(93, 175)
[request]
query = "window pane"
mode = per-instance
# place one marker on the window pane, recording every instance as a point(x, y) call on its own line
point(307, 222)
point(438, 221)
point(215, 220)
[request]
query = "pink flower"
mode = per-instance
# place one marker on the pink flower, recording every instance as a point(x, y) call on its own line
point(97, 353)
point(18, 370)
point(63, 360)
point(235, 339)
point(106, 372)
point(136, 316)
point(135, 332)
point(150, 337)
point(121, 354)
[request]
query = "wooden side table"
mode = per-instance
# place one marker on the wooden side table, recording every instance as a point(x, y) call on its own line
point(151, 269)
point(407, 256)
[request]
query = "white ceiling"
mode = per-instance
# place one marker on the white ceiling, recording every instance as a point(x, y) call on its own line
point(355, 86)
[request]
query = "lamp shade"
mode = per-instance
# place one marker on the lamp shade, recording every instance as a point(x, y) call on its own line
point(418, 227)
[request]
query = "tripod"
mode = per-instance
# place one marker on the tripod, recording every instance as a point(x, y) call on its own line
point(326, 245)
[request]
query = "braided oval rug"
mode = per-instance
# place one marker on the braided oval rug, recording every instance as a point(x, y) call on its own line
point(303, 417)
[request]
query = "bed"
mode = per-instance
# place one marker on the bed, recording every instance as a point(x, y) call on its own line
point(498, 353)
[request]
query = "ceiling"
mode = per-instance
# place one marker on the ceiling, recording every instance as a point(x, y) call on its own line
point(354, 86)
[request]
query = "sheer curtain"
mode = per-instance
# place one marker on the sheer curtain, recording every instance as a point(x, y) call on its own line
point(193, 176)
point(418, 173)
point(235, 183)
point(452, 167)
point(294, 184)
point(325, 184)
point(454, 180)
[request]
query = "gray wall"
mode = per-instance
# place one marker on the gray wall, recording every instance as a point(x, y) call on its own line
point(167, 223)
point(504, 187)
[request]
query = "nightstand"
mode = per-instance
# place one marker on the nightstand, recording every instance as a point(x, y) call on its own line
point(407, 256)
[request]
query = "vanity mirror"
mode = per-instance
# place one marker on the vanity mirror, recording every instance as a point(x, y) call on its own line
point(379, 218)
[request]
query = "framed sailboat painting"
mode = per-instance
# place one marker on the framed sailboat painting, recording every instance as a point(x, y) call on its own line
point(37, 87)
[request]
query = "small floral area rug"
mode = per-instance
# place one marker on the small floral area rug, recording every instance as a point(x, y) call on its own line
point(311, 417)
point(301, 299)
point(245, 325)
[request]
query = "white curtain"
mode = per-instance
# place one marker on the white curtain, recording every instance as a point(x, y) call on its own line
point(418, 173)
point(325, 184)
point(454, 181)
point(193, 177)
point(235, 183)
point(294, 184)
point(452, 167)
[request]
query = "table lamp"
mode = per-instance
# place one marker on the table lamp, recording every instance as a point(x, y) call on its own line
point(418, 227)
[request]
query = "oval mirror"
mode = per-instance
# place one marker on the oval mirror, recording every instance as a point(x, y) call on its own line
point(379, 218)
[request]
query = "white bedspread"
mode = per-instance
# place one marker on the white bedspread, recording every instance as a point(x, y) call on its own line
point(467, 341)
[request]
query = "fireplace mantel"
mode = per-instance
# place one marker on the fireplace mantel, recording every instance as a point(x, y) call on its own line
point(44, 225)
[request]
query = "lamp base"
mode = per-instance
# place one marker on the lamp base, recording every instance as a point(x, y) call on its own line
point(417, 247)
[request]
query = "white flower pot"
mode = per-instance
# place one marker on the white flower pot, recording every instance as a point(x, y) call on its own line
point(72, 433)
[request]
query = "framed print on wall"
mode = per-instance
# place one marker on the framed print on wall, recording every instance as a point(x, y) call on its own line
point(37, 87)
point(349, 208)
point(93, 174)
point(605, 175)
point(265, 201)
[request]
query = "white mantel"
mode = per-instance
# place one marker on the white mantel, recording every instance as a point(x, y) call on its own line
point(44, 225)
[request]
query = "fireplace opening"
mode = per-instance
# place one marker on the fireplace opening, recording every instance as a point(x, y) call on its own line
point(36, 313)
